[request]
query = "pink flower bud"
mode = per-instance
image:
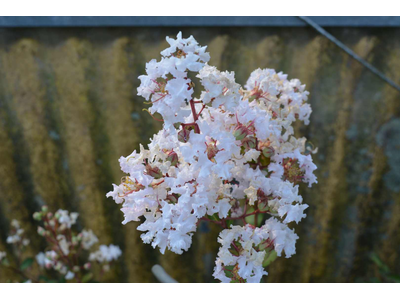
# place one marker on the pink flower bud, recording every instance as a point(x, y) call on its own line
point(183, 135)
point(37, 216)
point(41, 231)
point(87, 266)
point(172, 198)
point(249, 142)
point(153, 172)
point(172, 157)
point(240, 132)
point(268, 151)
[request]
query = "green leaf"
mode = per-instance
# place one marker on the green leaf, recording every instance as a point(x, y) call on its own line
point(215, 217)
point(260, 218)
point(87, 277)
point(229, 223)
point(250, 219)
point(26, 263)
point(375, 258)
point(5, 262)
point(269, 258)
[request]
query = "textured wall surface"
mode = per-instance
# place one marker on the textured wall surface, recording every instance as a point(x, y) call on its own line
point(69, 110)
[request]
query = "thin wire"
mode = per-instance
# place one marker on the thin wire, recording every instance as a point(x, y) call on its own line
point(350, 52)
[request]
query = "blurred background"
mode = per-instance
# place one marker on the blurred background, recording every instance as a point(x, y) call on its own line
point(69, 110)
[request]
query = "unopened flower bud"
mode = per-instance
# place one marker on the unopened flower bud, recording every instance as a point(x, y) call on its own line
point(268, 151)
point(52, 223)
point(172, 198)
point(57, 216)
point(58, 266)
point(37, 216)
point(249, 142)
point(50, 215)
point(240, 132)
point(45, 208)
point(41, 231)
point(172, 157)
point(79, 236)
point(183, 135)
point(153, 172)
point(263, 206)
point(87, 266)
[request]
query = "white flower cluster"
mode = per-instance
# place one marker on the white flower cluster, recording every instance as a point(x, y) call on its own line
point(17, 235)
point(65, 218)
point(227, 155)
point(166, 84)
point(66, 244)
point(244, 248)
point(106, 253)
point(51, 260)
point(88, 239)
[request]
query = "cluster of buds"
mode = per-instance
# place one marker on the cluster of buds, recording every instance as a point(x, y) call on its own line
point(67, 251)
point(229, 157)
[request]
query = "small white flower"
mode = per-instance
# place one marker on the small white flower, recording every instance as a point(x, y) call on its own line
point(106, 253)
point(70, 275)
point(2, 255)
point(67, 218)
point(88, 239)
point(41, 259)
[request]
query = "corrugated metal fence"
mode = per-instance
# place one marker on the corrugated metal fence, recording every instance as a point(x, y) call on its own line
point(69, 110)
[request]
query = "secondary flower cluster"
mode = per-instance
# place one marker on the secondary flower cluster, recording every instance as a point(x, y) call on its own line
point(67, 252)
point(16, 236)
point(226, 157)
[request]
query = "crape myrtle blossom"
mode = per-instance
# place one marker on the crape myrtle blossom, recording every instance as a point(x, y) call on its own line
point(228, 157)
point(67, 252)
point(17, 235)
point(106, 253)
point(243, 249)
point(67, 245)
